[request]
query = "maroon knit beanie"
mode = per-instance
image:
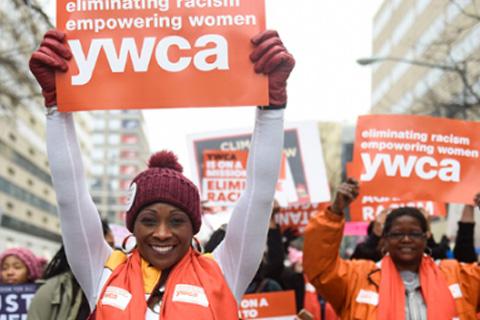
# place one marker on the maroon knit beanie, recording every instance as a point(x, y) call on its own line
point(163, 181)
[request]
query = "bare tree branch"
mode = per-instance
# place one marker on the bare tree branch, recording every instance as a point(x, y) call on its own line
point(464, 12)
point(457, 93)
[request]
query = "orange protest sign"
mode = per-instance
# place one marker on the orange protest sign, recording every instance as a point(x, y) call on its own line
point(271, 305)
point(224, 176)
point(160, 53)
point(296, 217)
point(367, 208)
point(417, 157)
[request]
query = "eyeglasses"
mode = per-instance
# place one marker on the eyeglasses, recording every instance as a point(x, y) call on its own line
point(401, 235)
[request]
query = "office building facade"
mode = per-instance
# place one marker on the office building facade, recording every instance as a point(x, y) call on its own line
point(121, 150)
point(416, 47)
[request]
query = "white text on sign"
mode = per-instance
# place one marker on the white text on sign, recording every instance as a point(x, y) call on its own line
point(425, 167)
point(117, 60)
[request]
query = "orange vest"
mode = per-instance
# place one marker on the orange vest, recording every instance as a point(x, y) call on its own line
point(195, 289)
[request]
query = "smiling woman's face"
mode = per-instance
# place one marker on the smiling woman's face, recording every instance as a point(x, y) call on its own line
point(164, 234)
point(406, 242)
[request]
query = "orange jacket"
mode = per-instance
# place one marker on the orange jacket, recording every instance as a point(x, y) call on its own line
point(340, 281)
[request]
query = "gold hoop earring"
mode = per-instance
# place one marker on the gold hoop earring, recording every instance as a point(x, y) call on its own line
point(196, 245)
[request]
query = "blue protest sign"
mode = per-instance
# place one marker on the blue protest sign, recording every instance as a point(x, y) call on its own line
point(15, 300)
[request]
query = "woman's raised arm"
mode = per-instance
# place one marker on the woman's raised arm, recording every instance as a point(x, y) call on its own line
point(82, 233)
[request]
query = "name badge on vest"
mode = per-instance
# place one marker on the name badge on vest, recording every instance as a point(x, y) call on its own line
point(309, 288)
point(116, 297)
point(455, 290)
point(190, 294)
point(368, 297)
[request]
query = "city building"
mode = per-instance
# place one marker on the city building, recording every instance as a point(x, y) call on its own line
point(28, 213)
point(417, 47)
point(121, 150)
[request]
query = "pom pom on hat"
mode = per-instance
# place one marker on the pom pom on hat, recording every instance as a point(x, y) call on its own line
point(163, 181)
point(165, 159)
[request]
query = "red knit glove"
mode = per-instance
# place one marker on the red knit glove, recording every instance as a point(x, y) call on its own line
point(272, 58)
point(52, 56)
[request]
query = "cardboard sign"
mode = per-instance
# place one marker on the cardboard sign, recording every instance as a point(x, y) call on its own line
point(279, 305)
point(130, 54)
point(296, 217)
point(305, 176)
point(15, 300)
point(417, 157)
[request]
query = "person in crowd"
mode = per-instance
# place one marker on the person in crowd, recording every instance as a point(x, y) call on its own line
point(464, 250)
point(60, 296)
point(163, 277)
point(370, 249)
point(293, 278)
point(19, 266)
point(405, 284)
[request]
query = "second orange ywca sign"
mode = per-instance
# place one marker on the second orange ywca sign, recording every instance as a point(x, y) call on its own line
point(417, 157)
point(160, 53)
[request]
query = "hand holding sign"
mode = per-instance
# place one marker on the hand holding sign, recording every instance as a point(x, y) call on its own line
point(346, 193)
point(49, 58)
point(477, 200)
point(272, 58)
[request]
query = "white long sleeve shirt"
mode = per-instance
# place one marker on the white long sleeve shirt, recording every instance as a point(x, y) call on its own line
point(238, 256)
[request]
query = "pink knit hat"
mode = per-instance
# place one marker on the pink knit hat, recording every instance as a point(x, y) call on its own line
point(163, 181)
point(33, 263)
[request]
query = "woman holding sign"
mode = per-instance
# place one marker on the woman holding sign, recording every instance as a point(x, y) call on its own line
point(164, 277)
point(405, 284)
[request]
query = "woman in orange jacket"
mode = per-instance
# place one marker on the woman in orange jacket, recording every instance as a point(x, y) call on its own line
point(405, 284)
